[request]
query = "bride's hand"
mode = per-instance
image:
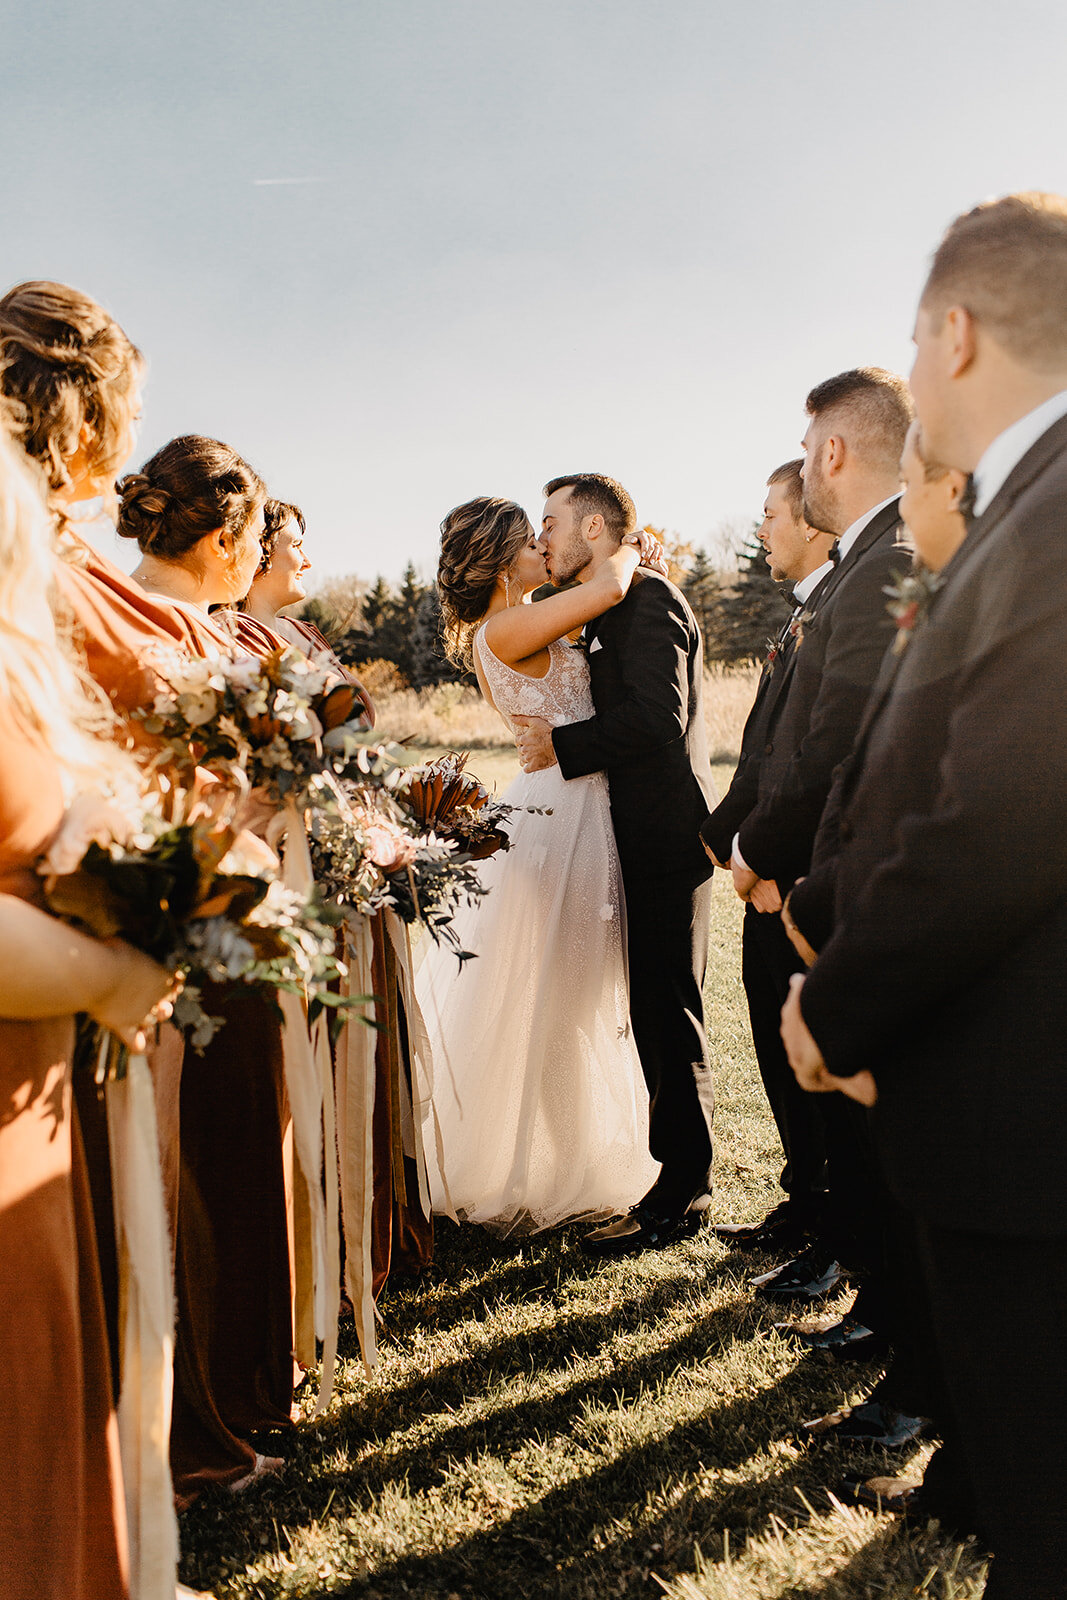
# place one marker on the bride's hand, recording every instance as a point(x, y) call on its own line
point(649, 550)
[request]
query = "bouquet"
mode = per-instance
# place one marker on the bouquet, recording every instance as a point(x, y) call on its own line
point(446, 800)
point(410, 844)
point(280, 722)
point(196, 898)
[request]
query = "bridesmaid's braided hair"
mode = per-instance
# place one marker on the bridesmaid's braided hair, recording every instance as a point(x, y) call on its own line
point(479, 541)
point(188, 489)
point(64, 362)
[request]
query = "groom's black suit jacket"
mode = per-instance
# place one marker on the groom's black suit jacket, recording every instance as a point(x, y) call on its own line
point(646, 670)
point(837, 660)
point(946, 972)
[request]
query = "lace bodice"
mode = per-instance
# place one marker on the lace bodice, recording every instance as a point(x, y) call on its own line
point(561, 696)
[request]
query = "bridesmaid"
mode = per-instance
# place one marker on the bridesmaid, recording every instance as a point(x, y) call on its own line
point(278, 584)
point(401, 1233)
point(74, 377)
point(62, 1518)
point(195, 511)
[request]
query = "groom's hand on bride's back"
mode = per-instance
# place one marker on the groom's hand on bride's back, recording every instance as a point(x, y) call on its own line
point(534, 743)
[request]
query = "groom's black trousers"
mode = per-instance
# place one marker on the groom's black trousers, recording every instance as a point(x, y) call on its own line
point(667, 944)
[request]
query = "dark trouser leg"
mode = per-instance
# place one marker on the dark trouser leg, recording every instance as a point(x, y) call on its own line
point(854, 1217)
point(999, 1310)
point(667, 942)
point(768, 961)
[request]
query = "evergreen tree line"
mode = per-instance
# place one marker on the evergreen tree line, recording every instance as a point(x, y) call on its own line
point(739, 610)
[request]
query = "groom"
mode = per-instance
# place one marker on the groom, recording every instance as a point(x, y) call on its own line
point(646, 673)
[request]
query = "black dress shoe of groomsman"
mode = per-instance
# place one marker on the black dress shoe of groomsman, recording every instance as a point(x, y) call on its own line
point(810, 1276)
point(781, 1229)
point(869, 1424)
point(845, 1340)
point(907, 1497)
point(640, 1229)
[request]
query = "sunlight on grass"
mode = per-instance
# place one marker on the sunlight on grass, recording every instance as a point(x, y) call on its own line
point(545, 1426)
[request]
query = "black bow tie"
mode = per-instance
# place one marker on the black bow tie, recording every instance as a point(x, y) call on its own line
point(835, 553)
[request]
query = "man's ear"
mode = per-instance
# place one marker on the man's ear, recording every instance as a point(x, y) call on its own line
point(834, 453)
point(593, 526)
point(961, 340)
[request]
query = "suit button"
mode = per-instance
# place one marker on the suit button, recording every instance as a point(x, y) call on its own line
point(845, 831)
point(768, 748)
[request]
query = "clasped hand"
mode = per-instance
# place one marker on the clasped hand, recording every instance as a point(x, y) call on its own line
point(806, 1058)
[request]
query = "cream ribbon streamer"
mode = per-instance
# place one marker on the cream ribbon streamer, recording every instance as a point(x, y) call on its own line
point(355, 1137)
point(414, 1099)
point(309, 1085)
point(146, 1332)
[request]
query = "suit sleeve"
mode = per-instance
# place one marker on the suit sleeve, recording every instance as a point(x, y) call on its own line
point(652, 635)
point(776, 839)
point(719, 829)
point(961, 887)
point(812, 904)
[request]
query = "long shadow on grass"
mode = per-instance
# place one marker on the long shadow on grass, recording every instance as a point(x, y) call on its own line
point(382, 1411)
point(552, 1543)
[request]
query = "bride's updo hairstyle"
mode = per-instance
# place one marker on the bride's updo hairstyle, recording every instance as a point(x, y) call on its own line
point(64, 362)
point(189, 488)
point(479, 541)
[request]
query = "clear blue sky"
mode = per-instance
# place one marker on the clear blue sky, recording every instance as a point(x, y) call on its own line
point(542, 235)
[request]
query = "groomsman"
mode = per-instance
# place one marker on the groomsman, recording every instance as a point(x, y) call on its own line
point(858, 421)
point(941, 996)
point(801, 556)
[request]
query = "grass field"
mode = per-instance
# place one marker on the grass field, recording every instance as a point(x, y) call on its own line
point(543, 1426)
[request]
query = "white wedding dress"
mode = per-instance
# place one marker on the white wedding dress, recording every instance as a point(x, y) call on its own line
point(538, 1111)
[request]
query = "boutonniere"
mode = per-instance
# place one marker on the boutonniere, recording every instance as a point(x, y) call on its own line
point(798, 624)
point(911, 595)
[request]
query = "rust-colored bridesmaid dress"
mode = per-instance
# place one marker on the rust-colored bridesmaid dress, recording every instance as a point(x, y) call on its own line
point(62, 1515)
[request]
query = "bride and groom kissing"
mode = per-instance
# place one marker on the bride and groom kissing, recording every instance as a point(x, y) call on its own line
point(570, 1070)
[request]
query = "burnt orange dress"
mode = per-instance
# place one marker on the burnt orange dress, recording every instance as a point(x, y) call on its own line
point(401, 1234)
point(62, 1515)
point(233, 1342)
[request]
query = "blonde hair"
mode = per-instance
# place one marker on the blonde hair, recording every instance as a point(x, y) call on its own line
point(50, 696)
point(479, 541)
point(64, 363)
point(1006, 263)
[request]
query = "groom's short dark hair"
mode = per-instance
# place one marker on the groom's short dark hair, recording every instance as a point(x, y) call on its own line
point(593, 493)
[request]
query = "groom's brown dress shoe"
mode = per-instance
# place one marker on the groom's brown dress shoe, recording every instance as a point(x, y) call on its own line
point(640, 1229)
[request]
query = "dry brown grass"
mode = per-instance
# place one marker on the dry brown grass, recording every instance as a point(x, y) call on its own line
point(452, 716)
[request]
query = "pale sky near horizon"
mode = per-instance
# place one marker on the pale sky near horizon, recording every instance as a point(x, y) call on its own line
point(401, 253)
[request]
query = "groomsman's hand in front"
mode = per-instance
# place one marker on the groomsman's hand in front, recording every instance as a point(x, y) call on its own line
point(806, 1060)
point(534, 743)
point(759, 892)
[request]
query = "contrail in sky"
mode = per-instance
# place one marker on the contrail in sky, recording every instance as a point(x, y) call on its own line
point(263, 182)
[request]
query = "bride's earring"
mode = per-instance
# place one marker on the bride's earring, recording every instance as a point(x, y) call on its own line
point(507, 589)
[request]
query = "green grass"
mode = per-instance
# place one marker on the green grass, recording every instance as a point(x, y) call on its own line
point(544, 1426)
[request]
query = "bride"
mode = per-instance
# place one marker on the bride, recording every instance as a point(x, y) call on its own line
point(539, 1111)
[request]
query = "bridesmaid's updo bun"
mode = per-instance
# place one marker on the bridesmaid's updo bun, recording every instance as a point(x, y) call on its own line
point(65, 363)
point(190, 488)
point(479, 541)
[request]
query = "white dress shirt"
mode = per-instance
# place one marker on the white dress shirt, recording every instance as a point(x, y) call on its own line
point(1008, 448)
point(851, 534)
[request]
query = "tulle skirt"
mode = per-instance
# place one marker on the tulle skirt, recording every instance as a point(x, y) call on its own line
point(538, 1111)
